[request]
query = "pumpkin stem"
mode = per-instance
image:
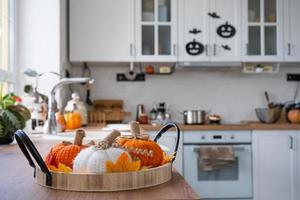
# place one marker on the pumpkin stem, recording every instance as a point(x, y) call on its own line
point(108, 140)
point(135, 128)
point(80, 134)
point(136, 131)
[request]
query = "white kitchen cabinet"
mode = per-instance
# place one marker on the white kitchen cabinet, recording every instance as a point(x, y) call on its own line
point(274, 165)
point(209, 30)
point(156, 30)
point(168, 140)
point(262, 30)
point(101, 30)
point(291, 30)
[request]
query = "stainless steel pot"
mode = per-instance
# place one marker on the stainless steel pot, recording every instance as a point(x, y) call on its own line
point(194, 117)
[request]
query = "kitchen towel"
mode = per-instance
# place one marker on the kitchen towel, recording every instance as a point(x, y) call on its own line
point(215, 158)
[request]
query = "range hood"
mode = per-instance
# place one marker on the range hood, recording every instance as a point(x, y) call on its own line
point(208, 65)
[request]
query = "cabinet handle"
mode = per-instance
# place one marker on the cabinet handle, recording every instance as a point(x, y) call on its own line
point(289, 49)
point(215, 49)
point(174, 49)
point(291, 142)
point(206, 50)
point(131, 49)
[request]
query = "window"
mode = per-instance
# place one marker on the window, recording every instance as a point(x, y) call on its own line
point(7, 78)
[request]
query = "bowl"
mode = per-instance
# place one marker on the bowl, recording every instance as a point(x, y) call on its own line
point(268, 115)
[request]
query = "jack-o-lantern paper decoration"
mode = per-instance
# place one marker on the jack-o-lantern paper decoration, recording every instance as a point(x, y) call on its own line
point(226, 30)
point(194, 48)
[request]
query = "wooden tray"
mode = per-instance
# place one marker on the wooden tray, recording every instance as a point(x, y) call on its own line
point(96, 182)
point(106, 182)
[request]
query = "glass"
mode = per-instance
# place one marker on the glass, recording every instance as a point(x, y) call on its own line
point(270, 11)
point(6, 30)
point(3, 88)
point(148, 10)
point(270, 40)
point(230, 173)
point(254, 40)
point(164, 10)
point(148, 40)
point(253, 10)
point(164, 40)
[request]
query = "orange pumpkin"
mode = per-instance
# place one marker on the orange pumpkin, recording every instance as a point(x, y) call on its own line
point(60, 120)
point(73, 119)
point(140, 146)
point(294, 116)
point(65, 152)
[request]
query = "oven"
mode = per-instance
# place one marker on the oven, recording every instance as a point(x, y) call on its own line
point(229, 182)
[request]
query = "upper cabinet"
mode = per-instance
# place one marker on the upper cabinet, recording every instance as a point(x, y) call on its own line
point(209, 30)
point(292, 30)
point(101, 30)
point(263, 30)
point(156, 30)
point(184, 31)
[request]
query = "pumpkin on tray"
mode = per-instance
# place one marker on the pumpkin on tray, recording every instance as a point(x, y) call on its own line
point(65, 152)
point(104, 158)
point(140, 146)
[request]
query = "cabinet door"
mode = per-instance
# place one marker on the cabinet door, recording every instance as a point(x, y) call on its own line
point(292, 30)
point(101, 30)
point(168, 140)
point(263, 30)
point(156, 30)
point(274, 159)
point(226, 30)
point(193, 30)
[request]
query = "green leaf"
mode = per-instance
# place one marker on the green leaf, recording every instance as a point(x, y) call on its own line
point(13, 120)
point(3, 129)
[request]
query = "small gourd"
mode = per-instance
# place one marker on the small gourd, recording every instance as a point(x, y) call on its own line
point(140, 146)
point(65, 152)
point(93, 159)
point(294, 116)
point(61, 122)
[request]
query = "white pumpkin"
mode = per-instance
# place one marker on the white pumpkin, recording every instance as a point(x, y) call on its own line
point(93, 159)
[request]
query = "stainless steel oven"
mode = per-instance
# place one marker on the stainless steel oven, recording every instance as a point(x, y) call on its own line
point(230, 182)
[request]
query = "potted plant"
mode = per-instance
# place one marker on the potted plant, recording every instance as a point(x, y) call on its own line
point(13, 116)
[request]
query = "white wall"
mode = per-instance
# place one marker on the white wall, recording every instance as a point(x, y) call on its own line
point(38, 40)
point(231, 94)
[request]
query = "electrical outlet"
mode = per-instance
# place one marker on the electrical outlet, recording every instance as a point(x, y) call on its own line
point(293, 77)
point(138, 77)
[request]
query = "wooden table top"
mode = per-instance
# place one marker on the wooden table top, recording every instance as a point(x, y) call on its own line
point(17, 182)
point(231, 127)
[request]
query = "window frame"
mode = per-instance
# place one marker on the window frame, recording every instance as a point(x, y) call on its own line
point(9, 76)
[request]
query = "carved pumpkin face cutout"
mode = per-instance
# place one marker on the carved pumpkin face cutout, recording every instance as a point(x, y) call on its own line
point(226, 30)
point(194, 48)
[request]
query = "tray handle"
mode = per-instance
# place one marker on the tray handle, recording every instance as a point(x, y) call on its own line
point(165, 129)
point(26, 145)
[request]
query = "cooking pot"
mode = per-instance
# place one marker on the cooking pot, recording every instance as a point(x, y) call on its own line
point(193, 117)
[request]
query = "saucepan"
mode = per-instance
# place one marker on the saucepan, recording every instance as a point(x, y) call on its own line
point(194, 117)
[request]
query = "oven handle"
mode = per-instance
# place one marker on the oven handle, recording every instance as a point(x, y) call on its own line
point(236, 148)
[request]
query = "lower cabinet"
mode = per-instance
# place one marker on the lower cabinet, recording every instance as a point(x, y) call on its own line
point(168, 142)
point(275, 165)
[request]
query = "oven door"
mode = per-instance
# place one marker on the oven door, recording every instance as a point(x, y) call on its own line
point(229, 182)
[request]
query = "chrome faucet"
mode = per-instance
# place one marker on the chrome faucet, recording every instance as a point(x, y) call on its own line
point(50, 126)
